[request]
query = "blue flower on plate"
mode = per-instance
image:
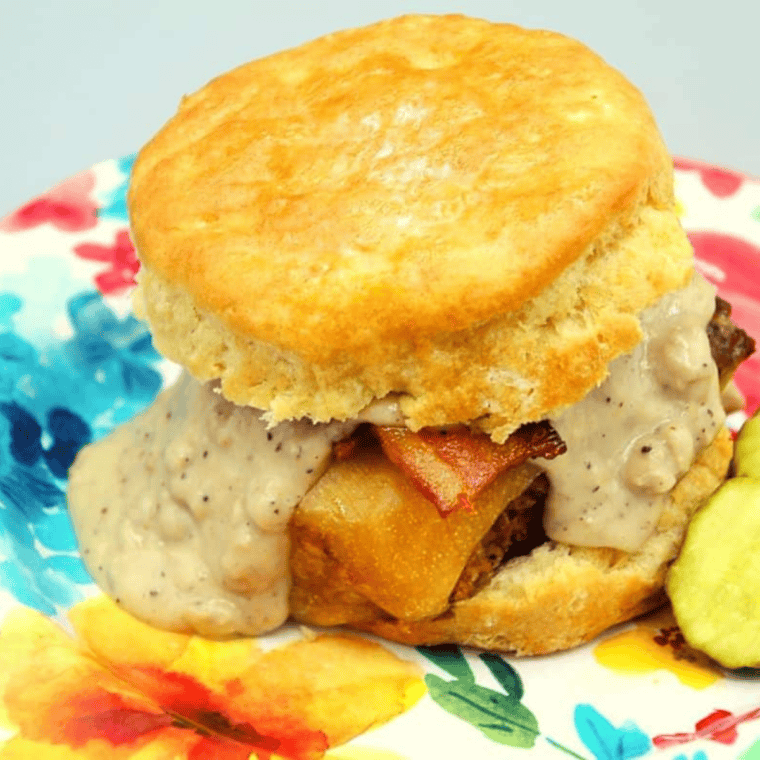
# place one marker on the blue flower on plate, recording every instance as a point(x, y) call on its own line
point(114, 203)
point(67, 431)
point(54, 400)
point(606, 741)
point(10, 304)
point(114, 353)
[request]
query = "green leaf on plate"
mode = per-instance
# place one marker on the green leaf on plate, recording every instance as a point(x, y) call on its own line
point(505, 674)
point(500, 716)
point(449, 657)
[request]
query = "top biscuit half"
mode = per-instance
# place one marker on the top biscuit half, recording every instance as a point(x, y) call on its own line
point(468, 214)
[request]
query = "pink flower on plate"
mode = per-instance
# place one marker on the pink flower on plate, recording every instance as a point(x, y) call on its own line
point(732, 264)
point(122, 258)
point(68, 207)
point(722, 183)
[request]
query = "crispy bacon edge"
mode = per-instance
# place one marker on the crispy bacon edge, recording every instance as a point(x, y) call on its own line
point(450, 467)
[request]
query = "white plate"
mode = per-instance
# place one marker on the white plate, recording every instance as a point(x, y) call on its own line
point(74, 362)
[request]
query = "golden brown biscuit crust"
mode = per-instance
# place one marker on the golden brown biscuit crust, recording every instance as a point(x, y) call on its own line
point(388, 208)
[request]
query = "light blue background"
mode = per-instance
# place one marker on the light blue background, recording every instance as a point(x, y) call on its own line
point(82, 81)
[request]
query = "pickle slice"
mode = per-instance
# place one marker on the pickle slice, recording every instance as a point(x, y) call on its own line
point(747, 449)
point(714, 585)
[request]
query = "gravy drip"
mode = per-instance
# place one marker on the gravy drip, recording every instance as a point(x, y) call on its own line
point(633, 437)
point(182, 512)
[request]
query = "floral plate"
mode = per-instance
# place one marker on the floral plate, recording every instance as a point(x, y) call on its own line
point(80, 679)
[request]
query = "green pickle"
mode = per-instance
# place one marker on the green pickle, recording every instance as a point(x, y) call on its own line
point(747, 449)
point(714, 585)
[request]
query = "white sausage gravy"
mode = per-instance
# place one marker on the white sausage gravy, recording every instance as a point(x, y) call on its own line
point(182, 513)
point(630, 439)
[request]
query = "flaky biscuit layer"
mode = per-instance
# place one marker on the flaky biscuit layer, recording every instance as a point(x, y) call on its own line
point(520, 366)
point(389, 209)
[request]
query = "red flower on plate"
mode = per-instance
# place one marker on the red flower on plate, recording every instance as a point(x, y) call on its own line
point(157, 694)
point(68, 207)
point(122, 258)
point(719, 726)
point(722, 183)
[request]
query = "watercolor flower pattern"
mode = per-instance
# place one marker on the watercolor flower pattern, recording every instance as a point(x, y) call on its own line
point(503, 718)
point(155, 694)
point(115, 353)
point(52, 402)
point(606, 741)
point(121, 256)
point(722, 183)
point(719, 726)
point(113, 203)
point(33, 517)
point(655, 643)
point(499, 715)
point(69, 207)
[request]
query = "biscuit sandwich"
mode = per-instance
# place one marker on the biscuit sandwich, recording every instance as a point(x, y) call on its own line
point(451, 375)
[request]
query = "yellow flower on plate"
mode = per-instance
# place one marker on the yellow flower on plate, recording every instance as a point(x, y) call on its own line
point(145, 694)
point(656, 643)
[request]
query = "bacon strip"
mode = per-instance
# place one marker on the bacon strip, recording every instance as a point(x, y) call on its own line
point(451, 467)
